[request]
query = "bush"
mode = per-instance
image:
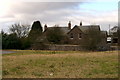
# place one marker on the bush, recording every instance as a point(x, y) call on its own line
point(11, 41)
point(92, 39)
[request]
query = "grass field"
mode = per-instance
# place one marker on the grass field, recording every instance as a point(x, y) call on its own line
point(60, 64)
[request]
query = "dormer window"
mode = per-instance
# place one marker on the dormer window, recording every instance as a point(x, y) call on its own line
point(71, 36)
point(79, 35)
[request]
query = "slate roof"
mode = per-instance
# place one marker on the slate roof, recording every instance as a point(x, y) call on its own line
point(84, 28)
point(64, 29)
point(114, 29)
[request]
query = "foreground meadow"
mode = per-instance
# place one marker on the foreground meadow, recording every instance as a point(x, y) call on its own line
point(60, 64)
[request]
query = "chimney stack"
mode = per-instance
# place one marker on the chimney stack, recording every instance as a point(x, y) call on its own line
point(45, 27)
point(81, 23)
point(69, 25)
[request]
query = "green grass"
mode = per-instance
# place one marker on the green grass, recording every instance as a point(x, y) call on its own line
point(60, 64)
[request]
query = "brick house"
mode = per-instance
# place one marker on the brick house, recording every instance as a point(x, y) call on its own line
point(77, 33)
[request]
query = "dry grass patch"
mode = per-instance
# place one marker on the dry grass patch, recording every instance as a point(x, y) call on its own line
point(60, 64)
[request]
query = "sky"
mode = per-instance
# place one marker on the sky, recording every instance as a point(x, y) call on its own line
point(95, 12)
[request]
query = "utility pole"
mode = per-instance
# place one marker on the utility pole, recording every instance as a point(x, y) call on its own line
point(110, 38)
point(109, 29)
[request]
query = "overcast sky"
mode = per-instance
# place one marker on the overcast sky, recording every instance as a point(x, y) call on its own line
point(98, 12)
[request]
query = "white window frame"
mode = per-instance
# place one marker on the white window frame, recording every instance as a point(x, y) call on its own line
point(72, 36)
point(80, 34)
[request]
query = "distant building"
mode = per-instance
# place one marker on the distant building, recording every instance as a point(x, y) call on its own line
point(76, 34)
point(113, 30)
point(114, 35)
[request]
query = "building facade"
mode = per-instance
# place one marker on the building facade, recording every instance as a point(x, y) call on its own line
point(76, 34)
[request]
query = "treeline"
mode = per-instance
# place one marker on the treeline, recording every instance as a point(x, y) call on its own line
point(26, 37)
point(20, 36)
point(17, 38)
point(12, 41)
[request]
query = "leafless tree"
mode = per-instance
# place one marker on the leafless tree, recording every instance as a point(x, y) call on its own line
point(20, 30)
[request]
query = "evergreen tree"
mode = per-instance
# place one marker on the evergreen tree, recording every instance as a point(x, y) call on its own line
point(10, 41)
point(36, 31)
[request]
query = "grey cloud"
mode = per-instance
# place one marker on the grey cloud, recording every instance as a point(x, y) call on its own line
point(44, 11)
point(40, 7)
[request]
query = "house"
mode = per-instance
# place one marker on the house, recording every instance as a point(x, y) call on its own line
point(113, 30)
point(77, 33)
point(64, 29)
point(114, 35)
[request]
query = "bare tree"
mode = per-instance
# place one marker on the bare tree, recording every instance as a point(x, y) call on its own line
point(20, 30)
point(36, 31)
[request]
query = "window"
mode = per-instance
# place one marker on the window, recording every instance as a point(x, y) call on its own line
point(71, 35)
point(115, 40)
point(79, 35)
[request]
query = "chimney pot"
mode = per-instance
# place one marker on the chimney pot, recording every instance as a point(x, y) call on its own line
point(45, 27)
point(69, 25)
point(81, 23)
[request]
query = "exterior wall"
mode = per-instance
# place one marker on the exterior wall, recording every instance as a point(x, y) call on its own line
point(57, 47)
point(114, 41)
point(104, 39)
point(76, 32)
point(65, 47)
